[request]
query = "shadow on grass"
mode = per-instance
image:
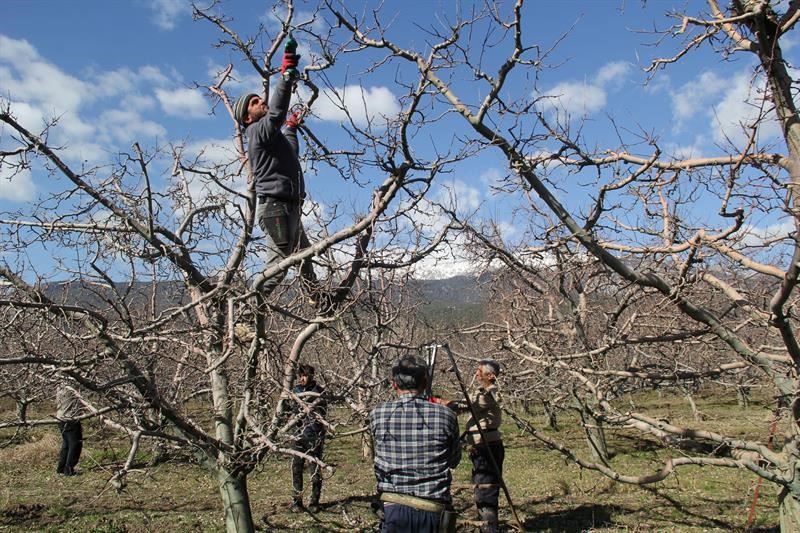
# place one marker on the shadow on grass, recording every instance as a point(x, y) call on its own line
point(574, 520)
point(628, 444)
point(19, 514)
point(702, 518)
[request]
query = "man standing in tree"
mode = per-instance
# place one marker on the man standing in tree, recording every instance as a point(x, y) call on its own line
point(68, 410)
point(416, 444)
point(485, 443)
point(310, 437)
point(273, 156)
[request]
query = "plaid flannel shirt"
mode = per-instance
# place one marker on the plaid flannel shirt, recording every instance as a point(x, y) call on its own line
point(416, 444)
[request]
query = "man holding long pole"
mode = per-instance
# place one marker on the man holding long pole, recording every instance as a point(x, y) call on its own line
point(485, 442)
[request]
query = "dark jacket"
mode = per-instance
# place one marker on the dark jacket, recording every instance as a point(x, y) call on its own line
point(273, 153)
point(309, 427)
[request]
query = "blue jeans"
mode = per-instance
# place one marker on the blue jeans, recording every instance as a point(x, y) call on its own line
point(403, 519)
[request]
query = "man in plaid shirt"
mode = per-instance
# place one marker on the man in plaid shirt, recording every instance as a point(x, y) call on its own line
point(416, 444)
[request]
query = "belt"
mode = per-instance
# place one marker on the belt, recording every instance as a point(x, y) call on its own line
point(412, 501)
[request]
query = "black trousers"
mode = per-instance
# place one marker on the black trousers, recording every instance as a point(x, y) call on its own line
point(484, 476)
point(71, 446)
point(311, 445)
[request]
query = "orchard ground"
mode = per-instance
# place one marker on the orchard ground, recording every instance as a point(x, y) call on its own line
point(550, 493)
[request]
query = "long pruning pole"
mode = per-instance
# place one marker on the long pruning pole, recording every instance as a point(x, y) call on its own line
point(430, 360)
point(483, 435)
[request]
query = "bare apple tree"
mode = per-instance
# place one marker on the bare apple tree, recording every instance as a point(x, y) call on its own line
point(679, 280)
point(138, 278)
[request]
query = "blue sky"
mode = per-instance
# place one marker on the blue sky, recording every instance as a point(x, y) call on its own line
point(119, 72)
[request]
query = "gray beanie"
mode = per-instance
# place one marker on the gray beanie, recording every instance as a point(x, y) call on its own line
point(240, 109)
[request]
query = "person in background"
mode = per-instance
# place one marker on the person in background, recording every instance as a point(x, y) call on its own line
point(486, 444)
point(68, 412)
point(416, 443)
point(310, 437)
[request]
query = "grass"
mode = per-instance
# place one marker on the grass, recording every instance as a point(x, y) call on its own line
point(550, 494)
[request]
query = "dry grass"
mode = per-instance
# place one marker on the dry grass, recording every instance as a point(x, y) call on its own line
point(36, 452)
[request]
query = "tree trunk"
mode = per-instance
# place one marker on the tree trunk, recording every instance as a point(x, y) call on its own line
point(698, 416)
point(551, 414)
point(367, 449)
point(22, 410)
point(158, 453)
point(789, 512)
point(236, 502)
point(595, 437)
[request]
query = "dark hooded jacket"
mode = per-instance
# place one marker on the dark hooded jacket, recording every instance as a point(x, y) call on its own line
point(309, 427)
point(273, 153)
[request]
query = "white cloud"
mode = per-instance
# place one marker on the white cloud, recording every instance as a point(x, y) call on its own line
point(757, 236)
point(166, 12)
point(84, 151)
point(114, 82)
point(138, 102)
point(274, 17)
point(16, 186)
point(659, 84)
point(29, 116)
point(507, 230)
point(459, 195)
point(94, 114)
point(491, 177)
point(123, 125)
point(43, 83)
point(240, 82)
point(453, 257)
point(154, 75)
point(204, 155)
point(729, 105)
point(576, 98)
point(375, 105)
point(680, 151)
point(71, 126)
point(613, 73)
point(183, 102)
point(580, 98)
point(741, 108)
point(314, 213)
point(211, 152)
point(17, 50)
point(694, 97)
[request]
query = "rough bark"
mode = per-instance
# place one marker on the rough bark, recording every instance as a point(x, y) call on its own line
point(235, 501)
point(595, 437)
